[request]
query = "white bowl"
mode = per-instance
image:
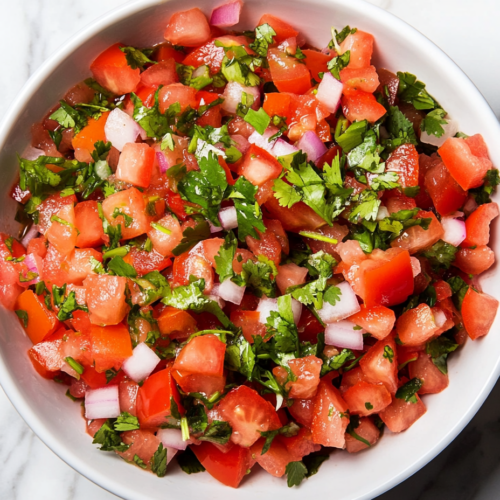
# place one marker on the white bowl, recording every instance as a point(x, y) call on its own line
point(473, 370)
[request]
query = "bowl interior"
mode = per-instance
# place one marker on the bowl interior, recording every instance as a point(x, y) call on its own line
point(58, 421)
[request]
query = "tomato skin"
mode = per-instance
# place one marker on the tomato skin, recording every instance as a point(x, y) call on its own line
point(364, 398)
point(163, 73)
point(365, 79)
point(474, 260)
point(287, 73)
point(306, 370)
point(416, 326)
point(330, 419)
point(189, 28)
point(316, 62)
point(229, 468)
point(259, 166)
point(193, 264)
point(105, 297)
point(110, 346)
point(41, 322)
point(400, 415)
point(89, 224)
point(177, 93)
point(78, 266)
point(166, 52)
point(136, 164)
point(404, 161)
point(478, 325)
point(467, 168)
point(389, 284)
point(309, 326)
point(283, 30)
point(202, 355)
point(175, 323)
point(111, 70)
point(391, 81)
point(206, 384)
point(249, 414)
point(249, 322)
point(377, 320)
point(367, 430)
point(154, 399)
point(446, 194)
point(358, 105)
point(360, 45)
point(434, 381)
point(477, 225)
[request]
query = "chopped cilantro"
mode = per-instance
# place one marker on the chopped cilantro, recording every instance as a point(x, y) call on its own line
point(389, 353)
point(121, 268)
point(159, 461)
point(439, 349)
point(482, 194)
point(354, 424)
point(263, 38)
point(197, 78)
point(191, 236)
point(74, 364)
point(23, 316)
point(432, 123)
point(189, 463)
point(109, 439)
point(137, 58)
point(259, 120)
point(217, 432)
point(413, 91)
point(126, 422)
point(69, 306)
point(295, 473)
point(408, 391)
point(225, 256)
point(441, 254)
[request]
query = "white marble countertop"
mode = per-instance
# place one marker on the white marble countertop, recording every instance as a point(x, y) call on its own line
point(468, 31)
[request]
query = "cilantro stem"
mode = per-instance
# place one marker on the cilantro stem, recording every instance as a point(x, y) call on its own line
point(55, 218)
point(214, 397)
point(74, 364)
point(160, 228)
point(184, 429)
point(319, 237)
point(116, 252)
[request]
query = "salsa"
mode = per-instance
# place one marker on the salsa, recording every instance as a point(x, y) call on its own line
point(239, 249)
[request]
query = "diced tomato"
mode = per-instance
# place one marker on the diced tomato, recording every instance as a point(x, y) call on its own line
point(177, 93)
point(433, 379)
point(305, 113)
point(206, 384)
point(165, 241)
point(395, 201)
point(299, 217)
point(330, 418)
point(163, 73)
point(259, 166)
point(249, 322)
point(167, 51)
point(416, 238)
point(446, 194)
point(358, 105)
point(131, 203)
point(10, 288)
point(360, 45)
point(334, 232)
point(467, 168)
point(474, 260)
point(276, 227)
point(288, 74)
point(41, 322)
point(365, 79)
point(144, 262)
point(416, 326)
point(366, 430)
point(364, 398)
point(46, 355)
point(136, 164)
point(404, 161)
point(377, 320)
point(389, 284)
point(443, 290)
point(308, 326)
point(380, 364)
point(477, 225)
point(154, 398)
point(202, 355)
point(189, 28)
point(111, 70)
point(268, 245)
point(105, 297)
point(196, 265)
point(478, 324)
point(229, 468)
point(62, 233)
point(302, 410)
point(143, 444)
point(290, 275)
point(400, 415)
point(89, 225)
point(111, 346)
point(90, 134)
point(277, 104)
point(128, 390)
point(306, 371)
point(316, 62)
point(175, 203)
point(283, 30)
point(77, 264)
point(390, 81)
point(172, 320)
point(248, 414)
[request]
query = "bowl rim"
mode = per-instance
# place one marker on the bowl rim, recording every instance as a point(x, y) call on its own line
point(130, 8)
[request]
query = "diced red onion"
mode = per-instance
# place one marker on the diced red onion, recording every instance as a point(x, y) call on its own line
point(242, 143)
point(162, 162)
point(439, 317)
point(311, 145)
point(232, 96)
point(231, 292)
point(172, 438)
point(330, 92)
point(214, 229)
point(283, 148)
point(382, 213)
point(470, 205)
point(102, 403)
point(262, 141)
point(415, 266)
point(31, 153)
point(266, 306)
point(228, 218)
point(216, 297)
point(34, 265)
point(226, 15)
point(454, 231)
point(32, 233)
point(344, 334)
point(450, 130)
point(121, 129)
point(346, 306)
point(141, 364)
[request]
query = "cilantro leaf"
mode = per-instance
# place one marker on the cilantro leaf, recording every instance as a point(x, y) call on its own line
point(259, 276)
point(159, 461)
point(353, 136)
point(432, 123)
point(263, 38)
point(399, 128)
point(140, 462)
point(156, 124)
point(189, 463)
point(338, 63)
point(259, 120)
point(240, 356)
point(282, 327)
point(217, 432)
point(387, 180)
point(482, 193)
point(240, 66)
point(23, 316)
point(354, 424)
point(137, 58)
point(109, 438)
point(439, 349)
point(121, 268)
point(366, 207)
point(289, 430)
point(191, 236)
point(413, 91)
point(295, 473)
point(248, 213)
point(69, 117)
point(409, 390)
point(313, 462)
point(197, 78)
point(225, 256)
point(126, 422)
point(441, 254)
point(69, 305)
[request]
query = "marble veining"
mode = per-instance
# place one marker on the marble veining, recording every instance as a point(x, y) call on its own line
point(467, 30)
